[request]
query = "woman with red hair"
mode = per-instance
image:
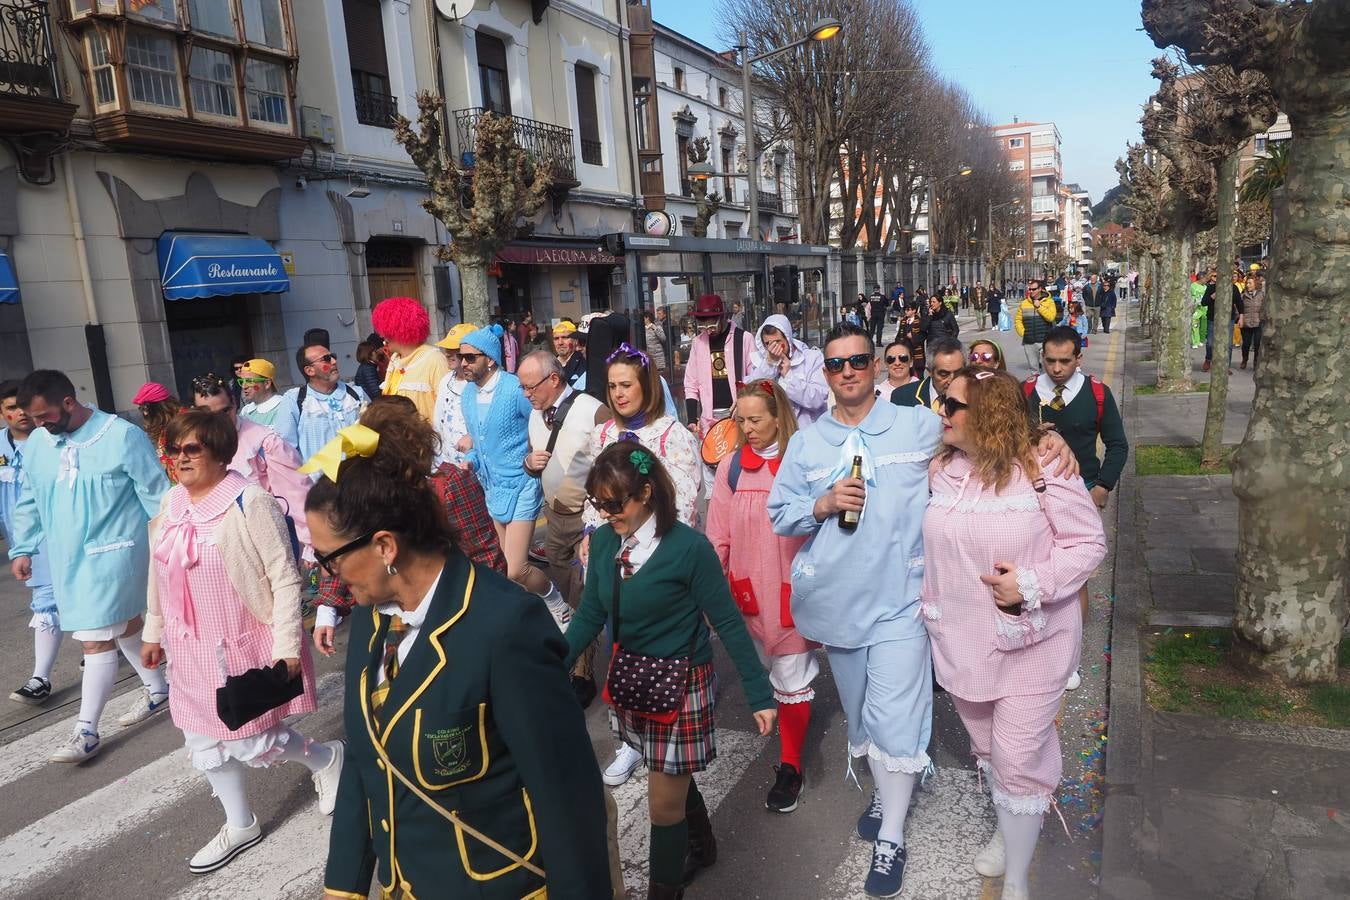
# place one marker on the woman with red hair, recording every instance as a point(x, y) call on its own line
point(415, 368)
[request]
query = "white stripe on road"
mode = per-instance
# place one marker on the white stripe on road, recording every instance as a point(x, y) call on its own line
point(736, 751)
point(62, 838)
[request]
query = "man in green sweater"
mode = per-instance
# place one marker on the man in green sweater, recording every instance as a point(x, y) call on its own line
point(1081, 409)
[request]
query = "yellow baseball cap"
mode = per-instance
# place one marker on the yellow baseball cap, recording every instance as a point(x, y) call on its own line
point(454, 336)
point(262, 368)
point(564, 328)
point(1254, 267)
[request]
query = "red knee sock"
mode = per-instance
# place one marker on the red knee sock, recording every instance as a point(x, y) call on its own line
point(792, 721)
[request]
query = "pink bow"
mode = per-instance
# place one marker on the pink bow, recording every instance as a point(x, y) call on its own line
point(177, 550)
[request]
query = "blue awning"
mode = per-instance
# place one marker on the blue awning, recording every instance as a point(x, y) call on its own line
point(218, 265)
point(9, 285)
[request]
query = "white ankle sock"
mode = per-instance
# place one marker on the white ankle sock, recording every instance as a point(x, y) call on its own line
point(153, 679)
point(46, 644)
point(309, 753)
point(1020, 833)
point(895, 789)
point(227, 783)
point(100, 671)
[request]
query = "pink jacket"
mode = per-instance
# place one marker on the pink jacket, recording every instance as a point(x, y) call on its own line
point(1054, 539)
point(698, 379)
point(758, 562)
point(271, 463)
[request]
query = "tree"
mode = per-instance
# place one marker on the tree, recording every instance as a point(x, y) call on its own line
point(706, 205)
point(480, 199)
point(1292, 472)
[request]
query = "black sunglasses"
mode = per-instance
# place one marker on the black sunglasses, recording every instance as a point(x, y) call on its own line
point(859, 362)
point(327, 560)
point(891, 360)
point(951, 406)
point(469, 358)
point(327, 357)
point(612, 507)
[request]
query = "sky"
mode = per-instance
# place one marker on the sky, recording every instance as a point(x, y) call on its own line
point(1083, 65)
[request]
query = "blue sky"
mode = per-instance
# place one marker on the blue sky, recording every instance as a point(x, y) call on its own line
point(1083, 65)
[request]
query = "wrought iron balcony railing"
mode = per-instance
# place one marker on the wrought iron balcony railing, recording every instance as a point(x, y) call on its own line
point(375, 107)
point(770, 201)
point(27, 59)
point(543, 142)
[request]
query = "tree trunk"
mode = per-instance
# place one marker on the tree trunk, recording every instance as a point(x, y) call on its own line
point(1292, 472)
point(473, 286)
point(1174, 320)
point(1211, 445)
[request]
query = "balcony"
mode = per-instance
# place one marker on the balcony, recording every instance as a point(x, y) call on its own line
point(31, 107)
point(375, 107)
point(770, 202)
point(542, 142)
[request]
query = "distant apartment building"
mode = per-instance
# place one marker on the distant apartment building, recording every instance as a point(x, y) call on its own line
point(1077, 225)
point(1032, 150)
point(1111, 240)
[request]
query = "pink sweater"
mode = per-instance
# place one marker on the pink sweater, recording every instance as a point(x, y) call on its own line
point(1054, 539)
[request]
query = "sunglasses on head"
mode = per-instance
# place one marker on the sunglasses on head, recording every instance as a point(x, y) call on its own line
point(892, 360)
point(191, 449)
point(858, 362)
point(612, 507)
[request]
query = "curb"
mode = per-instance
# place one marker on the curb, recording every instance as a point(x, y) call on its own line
point(1125, 757)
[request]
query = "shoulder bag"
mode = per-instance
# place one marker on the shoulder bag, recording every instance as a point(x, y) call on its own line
point(650, 686)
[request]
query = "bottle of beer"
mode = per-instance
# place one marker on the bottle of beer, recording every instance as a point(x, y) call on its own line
point(848, 519)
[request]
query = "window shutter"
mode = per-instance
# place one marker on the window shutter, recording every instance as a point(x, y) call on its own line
point(588, 120)
point(365, 36)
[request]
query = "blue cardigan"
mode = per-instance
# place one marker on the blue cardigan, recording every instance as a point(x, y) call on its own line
point(501, 439)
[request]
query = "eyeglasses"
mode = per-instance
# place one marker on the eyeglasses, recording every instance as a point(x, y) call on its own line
point(327, 560)
point(982, 357)
point(858, 361)
point(245, 382)
point(951, 406)
point(469, 358)
point(191, 450)
point(326, 358)
point(612, 507)
point(531, 388)
point(892, 360)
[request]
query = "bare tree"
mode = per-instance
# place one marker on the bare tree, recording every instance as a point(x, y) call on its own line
point(705, 205)
point(1291, 474)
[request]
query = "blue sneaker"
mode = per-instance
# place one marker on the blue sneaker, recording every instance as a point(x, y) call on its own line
point(887, 874)
point(869, 823)
point(84, 744)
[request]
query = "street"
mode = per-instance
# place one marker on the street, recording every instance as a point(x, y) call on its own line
point(131, 818)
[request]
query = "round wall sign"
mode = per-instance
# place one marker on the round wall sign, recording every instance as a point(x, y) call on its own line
point(658, 223)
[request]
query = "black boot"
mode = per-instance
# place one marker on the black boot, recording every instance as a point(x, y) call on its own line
point(702, 843)
point(664, 891)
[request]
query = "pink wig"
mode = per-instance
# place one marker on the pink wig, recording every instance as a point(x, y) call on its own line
point(402, 320)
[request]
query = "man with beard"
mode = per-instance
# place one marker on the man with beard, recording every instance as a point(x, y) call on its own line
point(325, 401)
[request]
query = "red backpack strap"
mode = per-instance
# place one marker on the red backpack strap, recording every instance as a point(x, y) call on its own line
point(1098, 394)
point(1029, 386)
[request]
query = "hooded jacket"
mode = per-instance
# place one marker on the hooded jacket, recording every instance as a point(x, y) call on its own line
point(804, 382)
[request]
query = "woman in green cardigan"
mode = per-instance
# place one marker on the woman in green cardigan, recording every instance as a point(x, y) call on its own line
point(670, 582)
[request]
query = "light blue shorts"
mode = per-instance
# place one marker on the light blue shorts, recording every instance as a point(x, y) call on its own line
point(887, 693)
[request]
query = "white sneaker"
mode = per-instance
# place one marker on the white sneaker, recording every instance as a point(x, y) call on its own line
point(1013, 892)
point(326, 779)
point(626, 761)
point(558, 608)
point(84, 744)
point(146, 705)
point(1075, 680)
point(992, 860)
point(228, 843)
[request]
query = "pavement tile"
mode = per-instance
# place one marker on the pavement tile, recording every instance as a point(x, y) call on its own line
point(1216, 559)
point(1201, 593)
point(1169, 559)
point(1318, 872)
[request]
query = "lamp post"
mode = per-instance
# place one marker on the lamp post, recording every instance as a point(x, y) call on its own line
point(822, 30)
point(961, 172)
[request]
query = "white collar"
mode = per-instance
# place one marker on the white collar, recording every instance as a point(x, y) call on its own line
point(491, 384)
point(646, 533)
point(413, 618)
point(567, 389)
point(267, 405)
point(1046, 388)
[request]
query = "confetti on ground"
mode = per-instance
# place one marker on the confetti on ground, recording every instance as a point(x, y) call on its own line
point(1081, 793)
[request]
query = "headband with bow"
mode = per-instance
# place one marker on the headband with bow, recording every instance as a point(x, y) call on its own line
point(628, 351)
point(354, 440)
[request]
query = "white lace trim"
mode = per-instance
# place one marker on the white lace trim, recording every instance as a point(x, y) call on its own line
point(805, 696)
point(910, 765)
point(930, 610)
point(45, 621)
point(107, 548)
point(1015, 503)
point(1021, 627)
point(915, 562)
point(1024, 805)
point(817, 474)
point(1030, 586)
point(913, 456)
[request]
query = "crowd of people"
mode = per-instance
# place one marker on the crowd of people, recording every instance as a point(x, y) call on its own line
point(767, 510)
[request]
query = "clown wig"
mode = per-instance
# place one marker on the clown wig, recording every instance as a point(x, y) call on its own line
point(402, 320)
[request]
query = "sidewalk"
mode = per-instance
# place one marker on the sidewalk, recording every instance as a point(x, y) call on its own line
point(1203, 807)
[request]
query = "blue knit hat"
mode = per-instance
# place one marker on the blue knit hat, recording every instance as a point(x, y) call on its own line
point(488, 339)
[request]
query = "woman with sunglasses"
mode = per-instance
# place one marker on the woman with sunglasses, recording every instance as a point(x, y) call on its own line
point(1008, 544)
point(758, 565)
point(656, 581)
point(469, 772)
point(899, 362)
point(224, 598)
point(987, 355)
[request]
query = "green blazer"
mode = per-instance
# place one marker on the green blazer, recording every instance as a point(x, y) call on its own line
point(481, 716)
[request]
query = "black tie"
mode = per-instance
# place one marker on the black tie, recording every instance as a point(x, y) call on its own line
point(550, 416)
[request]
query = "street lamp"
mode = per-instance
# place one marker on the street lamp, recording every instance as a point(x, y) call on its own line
point(822, 30)
point(962, 171)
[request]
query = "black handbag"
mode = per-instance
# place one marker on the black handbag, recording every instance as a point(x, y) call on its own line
point(651, 686)
point(248, 695)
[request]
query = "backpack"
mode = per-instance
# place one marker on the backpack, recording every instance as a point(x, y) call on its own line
point(1098, 394)
point(304, 392)
point(290, 528)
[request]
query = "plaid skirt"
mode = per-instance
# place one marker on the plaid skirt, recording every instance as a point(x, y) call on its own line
point(686, 745)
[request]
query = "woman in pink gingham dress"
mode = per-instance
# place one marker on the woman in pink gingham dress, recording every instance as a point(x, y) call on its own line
point(223, 599)
point(1006, 547)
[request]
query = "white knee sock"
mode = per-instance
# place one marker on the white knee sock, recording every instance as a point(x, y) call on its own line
point(227, 783)
point(151, 678)
point(309, 753)
point(1020, 833)
point(100, 671)
point(46, 644)
point(895, 789)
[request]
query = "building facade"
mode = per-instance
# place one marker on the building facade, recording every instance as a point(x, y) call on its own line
point(1032, 150)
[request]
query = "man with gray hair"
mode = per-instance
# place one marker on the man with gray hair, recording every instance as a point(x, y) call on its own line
point(560, 457)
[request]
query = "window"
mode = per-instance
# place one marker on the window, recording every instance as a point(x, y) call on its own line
point(1040, 231)
point(682, 152)
point(778, 177)
point(1044, 161)
point(732, 229)
point(1017, 165)
point(642, 99)
point(1042, 204)
point(679, 78)
point(101, 71)
point(492, 73)
point(588, 120)
point(1014, 143)
point(728, 189)
point(211, 79)
point(212, 17)
point(722, 97)
point(153, 11)
point(264, 23)
point(364, 23)
point(267, 92)
point(1260, 145)
point(1043, 139)
point(152, 69)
